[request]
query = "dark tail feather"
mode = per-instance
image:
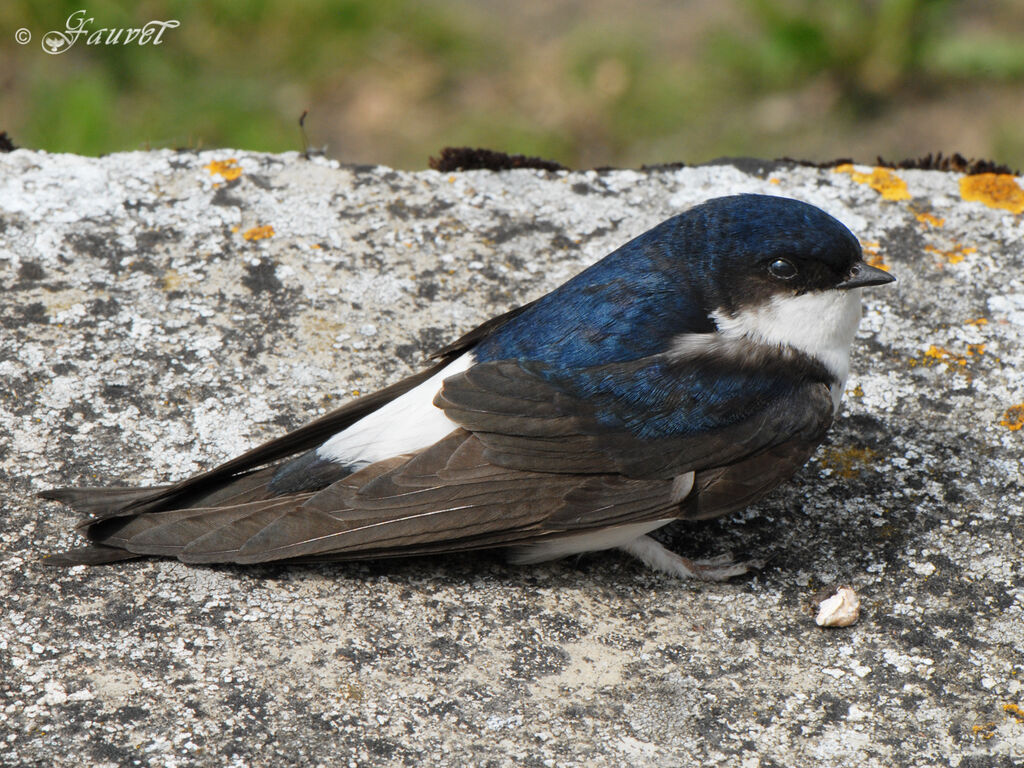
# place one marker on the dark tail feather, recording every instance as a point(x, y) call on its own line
point(103, 503)
point(99, 502)
point(94, 555)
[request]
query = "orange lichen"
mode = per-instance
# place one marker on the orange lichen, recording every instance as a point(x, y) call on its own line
point(873, 257)
point(773, 180)
point(259, 233)
point(847, 462)
point(1015, 711)
point(1013, 419)
point(882, 180)
point(996, 190)
point(977, 321)
point(954, 255)
point(986, 731)
point(935, 354)
point(226, 169)
point(927, 218)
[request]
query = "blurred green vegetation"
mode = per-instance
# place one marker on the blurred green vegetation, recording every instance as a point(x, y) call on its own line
point(611, 83)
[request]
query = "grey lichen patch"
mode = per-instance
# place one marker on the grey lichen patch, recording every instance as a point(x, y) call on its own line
point(163, 311)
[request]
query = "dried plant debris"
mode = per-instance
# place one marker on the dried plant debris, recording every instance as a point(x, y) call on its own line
point(474, 159)
point(955, 162)
point(471, 159)
point(812, 164)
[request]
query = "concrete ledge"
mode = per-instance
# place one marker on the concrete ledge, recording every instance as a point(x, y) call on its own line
point(162, 311)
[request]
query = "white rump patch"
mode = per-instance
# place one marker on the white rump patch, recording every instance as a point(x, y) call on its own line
point(410, 422)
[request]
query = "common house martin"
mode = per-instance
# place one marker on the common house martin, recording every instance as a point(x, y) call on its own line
point(683, 376)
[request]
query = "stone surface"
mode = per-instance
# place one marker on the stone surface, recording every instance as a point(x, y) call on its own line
point(163, 311)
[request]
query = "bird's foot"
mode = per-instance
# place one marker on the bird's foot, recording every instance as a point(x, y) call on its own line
point(655, 556)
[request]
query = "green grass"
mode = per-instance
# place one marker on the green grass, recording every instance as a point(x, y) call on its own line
point(395, 80)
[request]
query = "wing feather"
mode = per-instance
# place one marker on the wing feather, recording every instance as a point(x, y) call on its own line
point(548, 421)
point(541, 454)
point(447, 498)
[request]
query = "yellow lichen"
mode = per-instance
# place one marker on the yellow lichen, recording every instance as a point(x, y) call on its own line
point(1015, 711)
point(873, 257)
point(847, 462)
point(875, 260)
point(977, 321)
point(259, 233)
point(171, 280)
point(996, 190)
point(939, 353)
point(986, 731)
point(228, 169)
point(352, 692)
point(882, 180)
point(935, 354)
point(927, 218)
point(954, 255)
point(1013, 419)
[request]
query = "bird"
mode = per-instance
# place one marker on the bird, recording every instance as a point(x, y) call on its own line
point(681, 377)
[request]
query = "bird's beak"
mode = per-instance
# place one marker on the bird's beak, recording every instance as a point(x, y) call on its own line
point(863, 275)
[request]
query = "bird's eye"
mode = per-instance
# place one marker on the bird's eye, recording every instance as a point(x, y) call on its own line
point(782, 269)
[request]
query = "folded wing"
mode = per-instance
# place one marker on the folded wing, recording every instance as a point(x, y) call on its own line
point(541, 453)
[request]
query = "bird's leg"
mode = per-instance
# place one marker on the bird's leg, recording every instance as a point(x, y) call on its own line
point(655, 556)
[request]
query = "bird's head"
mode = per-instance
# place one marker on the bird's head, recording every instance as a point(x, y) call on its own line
point(755, 249)
point(778, 271)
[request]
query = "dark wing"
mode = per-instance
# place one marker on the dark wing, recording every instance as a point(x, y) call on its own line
point(544, 454)
point(233, 480)
point(241, 478)
point(649, 418)
point(447, 498)
point(723, 490)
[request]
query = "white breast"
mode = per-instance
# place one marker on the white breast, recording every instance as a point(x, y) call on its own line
point(408, 423)
point(821, 324)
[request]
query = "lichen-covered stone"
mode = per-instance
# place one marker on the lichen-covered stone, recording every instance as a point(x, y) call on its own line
point(163, 311)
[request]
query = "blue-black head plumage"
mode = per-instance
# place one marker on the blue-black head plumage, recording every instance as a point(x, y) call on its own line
point(714, 257)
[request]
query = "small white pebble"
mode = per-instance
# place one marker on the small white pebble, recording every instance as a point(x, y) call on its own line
point(860, 670)
point(840, 610)
point(923, 569)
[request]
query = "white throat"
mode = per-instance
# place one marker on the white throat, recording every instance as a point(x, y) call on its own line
point(821, 324)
